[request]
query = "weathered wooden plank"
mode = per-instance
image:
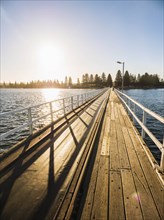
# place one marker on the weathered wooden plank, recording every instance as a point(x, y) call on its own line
point(33, 174)
point(68, 203)
point(155, 187)
point(148, 206)
point(105, 142)
point(112, 110)
point(87, 209)
point(113, 140)
point(116, 201)
point(132, 205)
point(144, 196)
point(100, 205)
point(113, 148)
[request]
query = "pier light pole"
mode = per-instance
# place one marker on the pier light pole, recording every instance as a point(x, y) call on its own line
point(122, 74)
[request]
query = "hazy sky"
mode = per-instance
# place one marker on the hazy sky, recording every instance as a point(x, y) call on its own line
point(52, 39)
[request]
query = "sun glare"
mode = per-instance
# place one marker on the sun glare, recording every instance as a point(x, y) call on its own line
point(51, 94)
point(51, 60)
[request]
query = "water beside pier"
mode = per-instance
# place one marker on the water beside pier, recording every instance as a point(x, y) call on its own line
point(12, 99)
point(152, 99)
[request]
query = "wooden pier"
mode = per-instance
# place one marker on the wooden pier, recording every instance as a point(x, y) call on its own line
point(91, 164)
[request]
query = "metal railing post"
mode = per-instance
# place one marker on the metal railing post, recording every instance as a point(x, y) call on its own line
point(134, 110)
point(129, 106)
point(64, 106)
point(72, 102)
point(78, 100)
point(51, 112)
point(162, 158)
point(30, 120)
point(86, 96)
point(144, 122)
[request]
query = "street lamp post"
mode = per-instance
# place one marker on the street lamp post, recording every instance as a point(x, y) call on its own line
point(122, 74)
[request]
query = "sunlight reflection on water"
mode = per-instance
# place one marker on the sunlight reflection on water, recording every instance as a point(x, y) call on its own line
point(12, 99)
point(51, 94)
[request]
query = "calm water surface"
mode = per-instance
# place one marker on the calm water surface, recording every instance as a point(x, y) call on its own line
point(152, 99)
point(12, 99)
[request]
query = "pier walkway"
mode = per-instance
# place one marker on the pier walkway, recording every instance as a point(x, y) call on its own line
point(92, 164)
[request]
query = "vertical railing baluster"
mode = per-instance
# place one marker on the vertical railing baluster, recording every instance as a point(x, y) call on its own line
point(77, 100)
point(129, 106)
point(64, 106)
point(51, 111)
point(144, 122)
point(162, 158)
point(72, 102)
point(30, 121)
point(134, 110)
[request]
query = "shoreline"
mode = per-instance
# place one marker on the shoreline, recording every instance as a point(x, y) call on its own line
point(119, 88)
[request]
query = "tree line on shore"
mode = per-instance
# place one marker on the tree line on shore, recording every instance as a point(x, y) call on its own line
point(94, 81)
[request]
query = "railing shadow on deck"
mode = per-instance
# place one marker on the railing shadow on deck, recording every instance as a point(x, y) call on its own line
point(55, 186)
point(18, 167)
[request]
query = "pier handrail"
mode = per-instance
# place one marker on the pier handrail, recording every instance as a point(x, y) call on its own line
point(143, 122)
point(70, 101)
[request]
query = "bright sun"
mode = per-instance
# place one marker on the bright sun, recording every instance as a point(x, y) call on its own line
point(51, 60)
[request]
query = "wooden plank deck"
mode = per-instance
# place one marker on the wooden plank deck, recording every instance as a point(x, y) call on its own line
point(34, 178)
point(123, 184)
point(95, 168)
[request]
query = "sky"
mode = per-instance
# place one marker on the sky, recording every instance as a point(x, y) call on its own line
point(43, 40)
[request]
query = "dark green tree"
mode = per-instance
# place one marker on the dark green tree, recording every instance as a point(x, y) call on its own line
point(103, 77)
point(118, 79)
point(78, 81)
point(126, 79)
point(97, 80)
point(91, 79)
point(66, 81)
point(70, 81)
point(109, 81)
point(132, 79)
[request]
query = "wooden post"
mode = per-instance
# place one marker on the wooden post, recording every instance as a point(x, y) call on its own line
point(144, 122)
point(30, 120)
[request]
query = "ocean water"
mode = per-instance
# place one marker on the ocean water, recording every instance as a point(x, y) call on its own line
point(152, 99)
point(11, 99)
